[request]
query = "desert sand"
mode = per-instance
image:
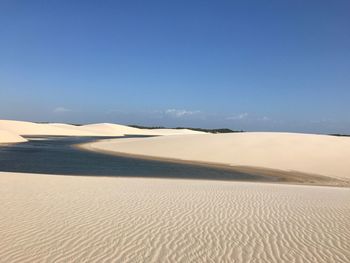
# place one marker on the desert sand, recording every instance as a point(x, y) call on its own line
point(85, 130)
point(46, 218)
point(113, 129)
point(162, 132)
point(24, 128)
point(29, 128)
point(302, 153)
point(51, 218)
point(8, 137)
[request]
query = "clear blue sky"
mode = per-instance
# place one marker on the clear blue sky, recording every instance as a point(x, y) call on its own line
point(253, 65)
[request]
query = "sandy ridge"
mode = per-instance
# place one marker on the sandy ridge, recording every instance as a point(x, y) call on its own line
point(9, 137)
point(23, 128)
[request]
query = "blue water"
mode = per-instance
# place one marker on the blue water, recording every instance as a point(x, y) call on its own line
point(56, 155)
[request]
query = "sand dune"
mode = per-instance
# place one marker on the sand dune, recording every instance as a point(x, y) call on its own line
point(112, 129)
point(8, 137)
point(97, 131)
point(96, 219)
point(30, 128)
point(100, 129)
point(305, 153)
point(174, 132)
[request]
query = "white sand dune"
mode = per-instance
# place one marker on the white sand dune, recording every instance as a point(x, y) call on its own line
point(8, 137)
point(90, 129)
point(30, 128)
point(174, 132)
point(47, 218)
point(112, 129)
point(306, 153)
point(100, 129)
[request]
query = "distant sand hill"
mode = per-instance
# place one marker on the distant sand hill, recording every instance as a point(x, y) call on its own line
point(9, 137)
point(23, 128)
point(30, 128)
point(112, 129)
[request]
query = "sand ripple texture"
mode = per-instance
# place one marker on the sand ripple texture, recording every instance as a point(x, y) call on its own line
point(90, 219)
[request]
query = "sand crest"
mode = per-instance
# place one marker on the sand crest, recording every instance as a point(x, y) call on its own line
point(112, 129)
point(30, 128)
point(25, 128)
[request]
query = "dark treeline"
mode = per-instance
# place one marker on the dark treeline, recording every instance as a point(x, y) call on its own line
point(340, 135)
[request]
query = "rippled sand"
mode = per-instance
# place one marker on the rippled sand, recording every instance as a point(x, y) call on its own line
point(47, 218)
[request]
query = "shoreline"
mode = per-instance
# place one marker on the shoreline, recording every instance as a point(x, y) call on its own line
point(271, 175)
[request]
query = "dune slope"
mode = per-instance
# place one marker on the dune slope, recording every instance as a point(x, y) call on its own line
point(30, 128)
point(305, 153)
point(112, 129)
point(99, 129)
point(174, 132)
point(8, 137)
point(96, 219)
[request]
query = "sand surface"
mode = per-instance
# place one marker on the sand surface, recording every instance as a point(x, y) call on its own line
point(30, 128)
point(25, 128)
point(115, 129)
point(9, 137)
point(84, 129)
point(162, 132)
point(305, 153)
point(46, 218)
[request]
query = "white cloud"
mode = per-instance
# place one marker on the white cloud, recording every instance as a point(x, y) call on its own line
point(61, 110)
point(240, 116)
point(180, 113)
point(265, 118)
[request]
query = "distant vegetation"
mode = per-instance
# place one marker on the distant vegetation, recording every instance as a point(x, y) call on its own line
point(222, 130)
point(340, 135)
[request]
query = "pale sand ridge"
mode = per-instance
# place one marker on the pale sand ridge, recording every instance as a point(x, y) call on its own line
point(100, 219)
point(30, 128)
point(9, 137)
point(174, 132)
point(305, 153)
point(25, 128)
point(111, 129)
point(83, 129)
